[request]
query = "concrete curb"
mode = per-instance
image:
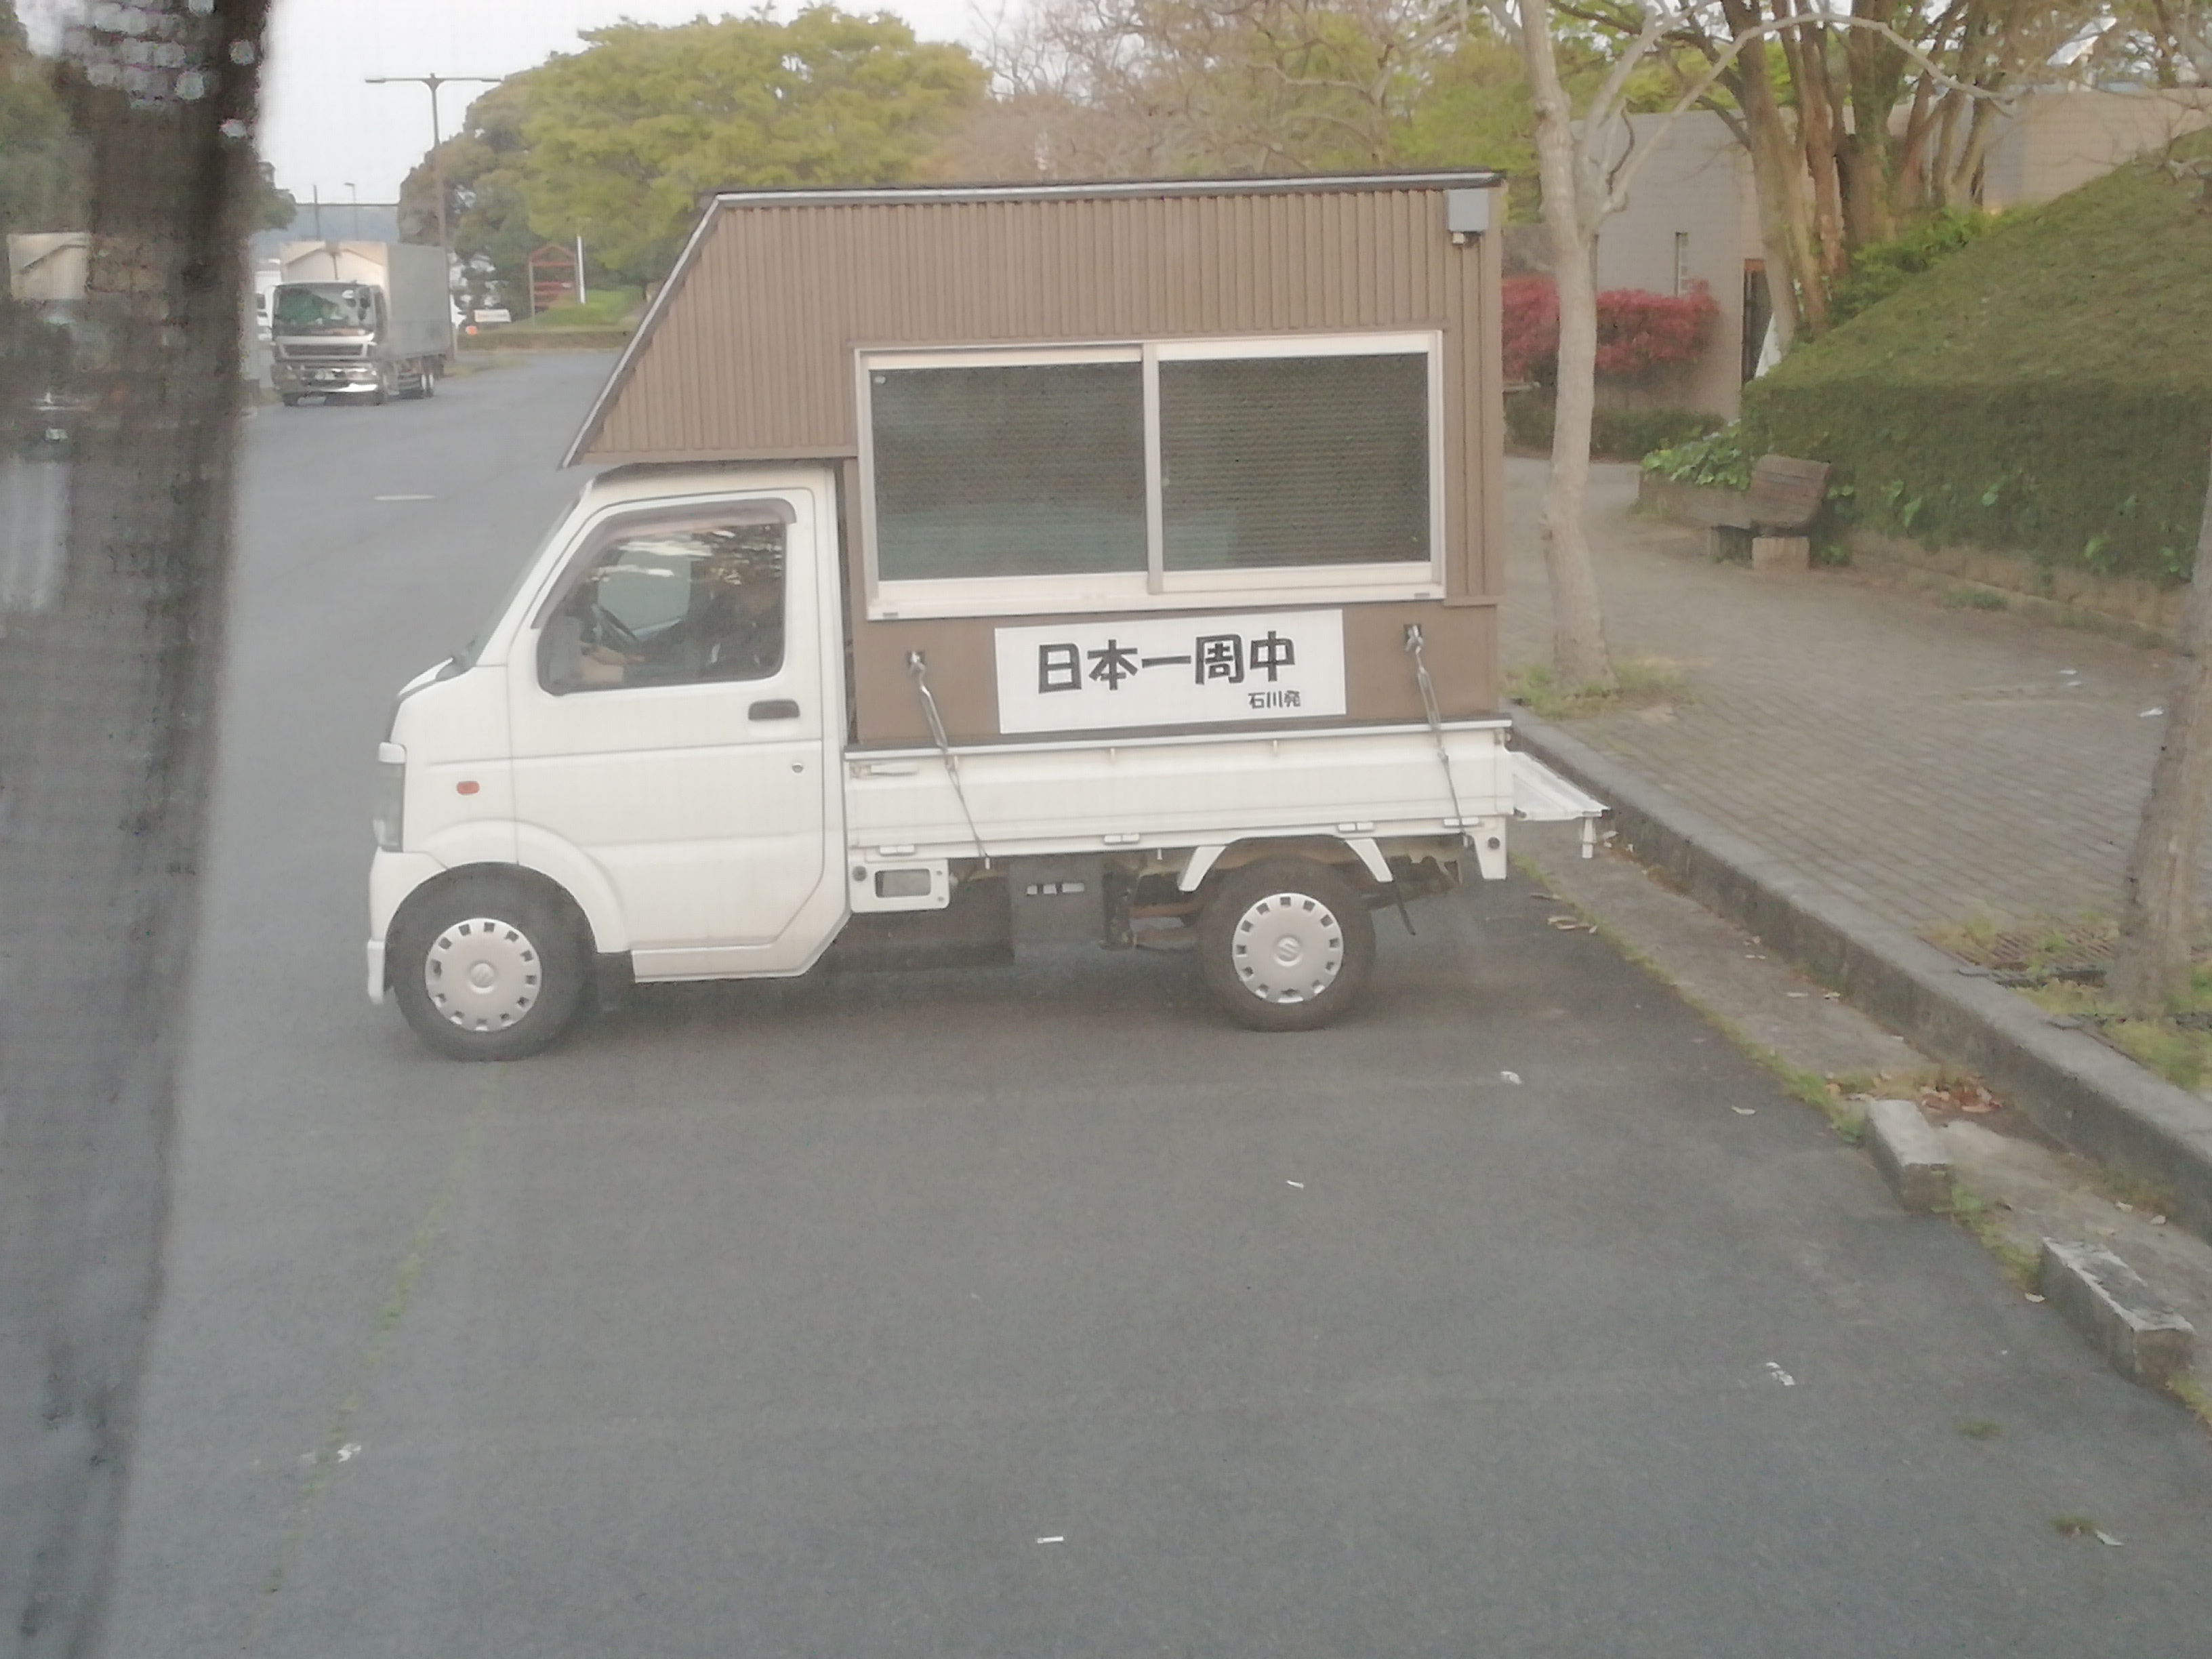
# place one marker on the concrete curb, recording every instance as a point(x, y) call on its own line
point(2089, 1097)
point(1909, 1154)
point(2107, 1302)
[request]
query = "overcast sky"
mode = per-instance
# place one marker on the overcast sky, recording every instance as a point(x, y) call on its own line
point(323, 126)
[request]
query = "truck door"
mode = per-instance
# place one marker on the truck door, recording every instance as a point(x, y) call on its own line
point(666, 711)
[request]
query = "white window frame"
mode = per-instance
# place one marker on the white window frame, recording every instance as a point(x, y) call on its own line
point(1154, 587)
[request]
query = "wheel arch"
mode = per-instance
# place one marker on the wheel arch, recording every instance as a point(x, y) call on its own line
point(536, 883)
point(559, 861)
point(1351, 861)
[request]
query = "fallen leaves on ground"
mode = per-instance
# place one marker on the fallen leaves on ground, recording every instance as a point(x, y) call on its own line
point(1959, 1094)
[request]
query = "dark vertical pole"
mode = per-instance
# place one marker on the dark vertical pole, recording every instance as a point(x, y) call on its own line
point(445, 240)
point(106, 701)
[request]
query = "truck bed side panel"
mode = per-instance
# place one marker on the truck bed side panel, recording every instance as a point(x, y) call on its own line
point(1172, 793)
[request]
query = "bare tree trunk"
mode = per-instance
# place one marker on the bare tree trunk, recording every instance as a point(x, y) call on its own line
point(1944, 159)
point(1778, 180)
point(1876, 71)
point(1913, 166)
point(104, 765)
point(1821, 122)
point(2158, 914)
point(1966, 179)
point(1579, 648)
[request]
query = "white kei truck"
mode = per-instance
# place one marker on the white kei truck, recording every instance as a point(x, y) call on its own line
point(979, 568)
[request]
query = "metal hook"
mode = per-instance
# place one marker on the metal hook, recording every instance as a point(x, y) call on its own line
point(920, 669)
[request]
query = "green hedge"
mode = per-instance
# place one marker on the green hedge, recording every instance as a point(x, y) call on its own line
point(2046, 390)
point(1617, 435)
point(2101, 477)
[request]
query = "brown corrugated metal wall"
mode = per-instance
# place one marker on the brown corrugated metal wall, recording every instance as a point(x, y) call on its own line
point(752, 358)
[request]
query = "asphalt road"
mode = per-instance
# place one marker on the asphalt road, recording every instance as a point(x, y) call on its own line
point(1037, 1312)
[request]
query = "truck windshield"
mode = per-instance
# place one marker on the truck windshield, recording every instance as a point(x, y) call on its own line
point(326, 308)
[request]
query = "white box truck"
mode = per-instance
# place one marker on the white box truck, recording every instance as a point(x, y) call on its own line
point(1164, 617)
point(359, 321)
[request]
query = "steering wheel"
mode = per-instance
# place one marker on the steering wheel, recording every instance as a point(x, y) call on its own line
point(608, 630)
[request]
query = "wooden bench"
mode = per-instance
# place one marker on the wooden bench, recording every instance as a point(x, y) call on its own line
point(1768, 520)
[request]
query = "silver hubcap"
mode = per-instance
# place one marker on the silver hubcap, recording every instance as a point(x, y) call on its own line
point(482, 974)
point(1287, 948)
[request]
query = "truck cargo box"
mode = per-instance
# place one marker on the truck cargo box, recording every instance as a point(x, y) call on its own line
point(1136, 457)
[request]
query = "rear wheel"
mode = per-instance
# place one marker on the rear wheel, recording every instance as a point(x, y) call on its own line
point(291, 399)
point(428, 385)
point(1287, 945)
point(487, 969)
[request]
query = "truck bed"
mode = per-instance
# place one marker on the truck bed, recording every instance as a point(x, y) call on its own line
point(1083, 794)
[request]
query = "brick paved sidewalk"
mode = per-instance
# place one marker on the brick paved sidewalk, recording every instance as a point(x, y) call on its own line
point(1934, 765)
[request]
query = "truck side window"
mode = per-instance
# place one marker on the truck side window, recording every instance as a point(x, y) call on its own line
point(672, 607)
point(1035, 479)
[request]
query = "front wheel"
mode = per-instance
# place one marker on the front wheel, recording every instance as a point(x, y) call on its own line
point(1285, 945)
point(487, 969)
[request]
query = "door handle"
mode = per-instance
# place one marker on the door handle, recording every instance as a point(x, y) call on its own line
point(775, 708)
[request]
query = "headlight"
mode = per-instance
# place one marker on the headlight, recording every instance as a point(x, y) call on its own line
point(390, 816)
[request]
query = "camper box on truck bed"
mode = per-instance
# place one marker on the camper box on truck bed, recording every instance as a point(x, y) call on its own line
point(1132, 558)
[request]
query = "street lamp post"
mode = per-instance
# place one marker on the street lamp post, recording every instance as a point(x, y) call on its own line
point(438, 168)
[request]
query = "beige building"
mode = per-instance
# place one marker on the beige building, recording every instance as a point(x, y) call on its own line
point(1692, 217)
point(2056, 141)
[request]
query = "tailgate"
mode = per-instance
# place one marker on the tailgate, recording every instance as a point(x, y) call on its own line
point(1542, 796)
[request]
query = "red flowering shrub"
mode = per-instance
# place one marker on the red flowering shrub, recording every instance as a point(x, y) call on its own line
point(1636, 332)
point(1530, 307)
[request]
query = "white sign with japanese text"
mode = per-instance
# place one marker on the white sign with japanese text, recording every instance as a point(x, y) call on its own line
point(1172, 670)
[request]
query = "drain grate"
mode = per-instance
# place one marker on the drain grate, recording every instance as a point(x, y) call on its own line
point(2039, 952)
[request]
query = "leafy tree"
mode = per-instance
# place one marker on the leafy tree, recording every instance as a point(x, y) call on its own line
point(1119, 88)
point(41, 164)
point(487, 214)
point(44, 164)
point(1862, 122)
point(620, 140)
point(268, 208)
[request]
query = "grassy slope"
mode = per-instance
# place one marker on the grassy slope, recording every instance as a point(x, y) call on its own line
point(2102, 284)
point(2047, 388)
